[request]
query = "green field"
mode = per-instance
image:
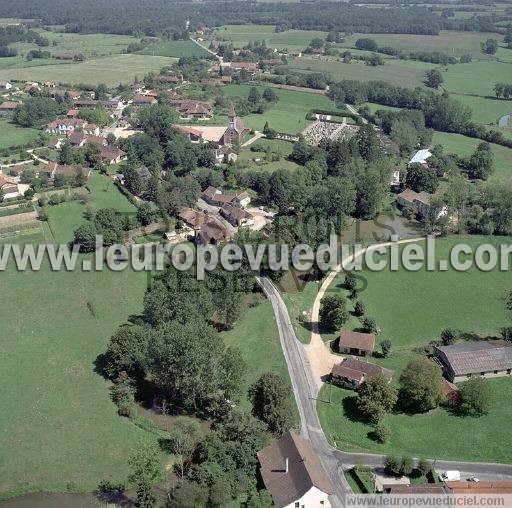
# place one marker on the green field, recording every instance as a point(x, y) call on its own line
point(63, 219)
point(256, 335)
point(60, 429)
point(485, 110)
point(406, 73)
point(288, 114)
point(437, 434)
point(464, 146)
point(284, 148)
point(241, 35)
point(110, 70)
point(176, 49)
point(90, 45)
point(411, 309)
point(449, 42)
point(13, 135)
point(477, 77)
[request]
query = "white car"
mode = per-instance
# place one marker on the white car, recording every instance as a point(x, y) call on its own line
point(473, 479)
point(450, 476)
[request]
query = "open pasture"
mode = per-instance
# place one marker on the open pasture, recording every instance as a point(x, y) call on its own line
point(396, 72)
point(449, 42)
point(288, 114)
point(241, 35)
point(110, 70)
point(175, 49)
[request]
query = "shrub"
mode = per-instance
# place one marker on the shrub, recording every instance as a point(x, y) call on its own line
point(475, 397)
point(385, 347)
point(369, 325)
point(382, 433)
point(359, 308)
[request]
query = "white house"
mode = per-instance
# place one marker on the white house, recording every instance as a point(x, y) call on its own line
point(420, 157)
point(5, 85)
point(63, 126)
point(394, 177)
point(293, 474)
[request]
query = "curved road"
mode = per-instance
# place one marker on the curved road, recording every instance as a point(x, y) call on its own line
point(306, 386)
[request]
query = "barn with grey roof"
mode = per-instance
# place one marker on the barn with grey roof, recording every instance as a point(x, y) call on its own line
point(480, 358)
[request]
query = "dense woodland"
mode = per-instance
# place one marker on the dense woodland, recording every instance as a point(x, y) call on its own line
point(158, 17)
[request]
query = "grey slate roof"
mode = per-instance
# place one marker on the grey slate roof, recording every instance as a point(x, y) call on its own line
point(479, 356)
point(304, 469)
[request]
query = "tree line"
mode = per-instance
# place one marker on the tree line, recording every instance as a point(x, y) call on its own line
point(441, 112)
point(164, 19)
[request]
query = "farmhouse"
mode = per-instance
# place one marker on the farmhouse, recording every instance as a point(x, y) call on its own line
point(192, 218)
point(249, 67)
point(236, 216)
point(423, 202)
point(212, 233)
point(356, 343)
point(190, 109)
point(193, 135)
point(53, 169)
point(352, 373)
point(54, 143)
point(293, 474)
point(112, 155)
point(77, 138)
point(225, 155)
point(8, 106)
point(214, 197)
point(482, 487)
point(11, 188)
point(143, 100)
point(420, 157)
point(479, 358)
point(63, 126)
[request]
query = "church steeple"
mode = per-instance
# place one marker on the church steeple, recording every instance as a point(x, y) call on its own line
point(232, 116)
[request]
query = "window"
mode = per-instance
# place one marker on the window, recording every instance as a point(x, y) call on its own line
point(495, 371)
point(509, 371)
point(297, 504)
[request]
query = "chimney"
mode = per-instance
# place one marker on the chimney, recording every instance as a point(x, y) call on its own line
point(286, 465)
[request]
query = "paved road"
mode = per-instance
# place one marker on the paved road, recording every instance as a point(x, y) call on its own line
point(257, 135)
point(206, 49)
point(305, 390)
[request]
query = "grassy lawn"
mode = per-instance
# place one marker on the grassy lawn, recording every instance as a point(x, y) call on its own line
point(14, 135)
point(474, 439)
point(464, 146)
point(241, 35)
point(60, 429)
point(256, 335)
point(66, 217)
point(411, 309)
point(177, 49)
point(449, 42)
point(289, 113)
point(110, 70)
point(90, 45)
point(396, 72)
point(486, 110)
point(461, 77)
point(283, 148)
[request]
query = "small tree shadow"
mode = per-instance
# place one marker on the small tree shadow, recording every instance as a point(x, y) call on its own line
point(350, 409)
